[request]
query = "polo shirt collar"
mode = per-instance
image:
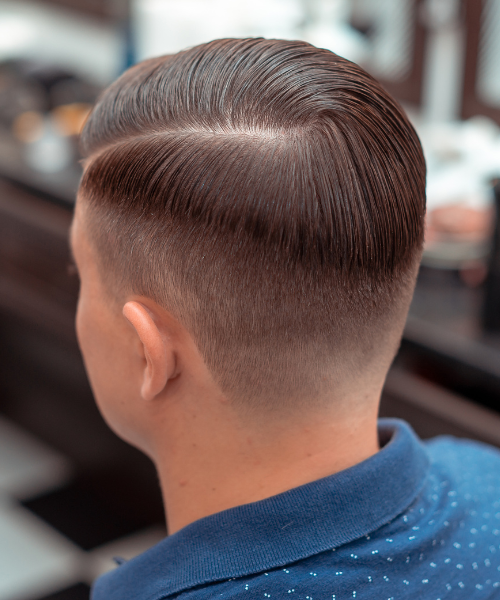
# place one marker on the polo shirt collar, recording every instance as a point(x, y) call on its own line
point(280, 530)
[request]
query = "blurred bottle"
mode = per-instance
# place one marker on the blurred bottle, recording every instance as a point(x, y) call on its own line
point(491, 304)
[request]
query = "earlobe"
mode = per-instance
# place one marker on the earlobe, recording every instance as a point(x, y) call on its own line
point(159, 357)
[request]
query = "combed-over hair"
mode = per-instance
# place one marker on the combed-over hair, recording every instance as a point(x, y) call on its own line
point(271, 195)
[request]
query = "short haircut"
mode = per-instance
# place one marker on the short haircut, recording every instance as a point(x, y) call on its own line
point(270, 195)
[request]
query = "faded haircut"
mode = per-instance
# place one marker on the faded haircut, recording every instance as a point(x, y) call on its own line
point(271, 196)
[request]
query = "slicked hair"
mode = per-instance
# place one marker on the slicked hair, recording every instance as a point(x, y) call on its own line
point(271, 195)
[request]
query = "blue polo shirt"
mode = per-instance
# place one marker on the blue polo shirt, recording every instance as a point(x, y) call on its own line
point(415, 521)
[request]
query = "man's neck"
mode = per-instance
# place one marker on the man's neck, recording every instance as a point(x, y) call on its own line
point(215, 463)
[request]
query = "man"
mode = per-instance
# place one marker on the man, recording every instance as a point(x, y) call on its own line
point(248, 231)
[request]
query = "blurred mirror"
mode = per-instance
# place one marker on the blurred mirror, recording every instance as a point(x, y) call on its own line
point(388, 26)
point(481, 88)
point(395, 35)
point(488, 75)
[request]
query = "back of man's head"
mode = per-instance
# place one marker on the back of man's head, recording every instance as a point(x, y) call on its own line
point(271, 196)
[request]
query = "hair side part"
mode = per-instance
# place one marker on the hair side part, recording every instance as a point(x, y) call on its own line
point(271, 195)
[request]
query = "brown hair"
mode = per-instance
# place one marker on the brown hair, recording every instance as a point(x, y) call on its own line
point(271, 195)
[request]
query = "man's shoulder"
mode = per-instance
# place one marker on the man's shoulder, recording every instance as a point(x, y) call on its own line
point(443, 541)
point(467, 473)
point(446, 544)
point(463, 456)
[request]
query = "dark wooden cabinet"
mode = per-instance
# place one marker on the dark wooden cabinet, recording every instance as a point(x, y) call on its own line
point(34, 282)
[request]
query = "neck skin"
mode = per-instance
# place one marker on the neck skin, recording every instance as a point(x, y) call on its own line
point(209, 461)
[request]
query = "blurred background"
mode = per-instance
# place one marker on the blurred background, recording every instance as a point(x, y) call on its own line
point(72, 495)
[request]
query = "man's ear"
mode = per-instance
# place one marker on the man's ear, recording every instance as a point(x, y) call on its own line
point(159, 356)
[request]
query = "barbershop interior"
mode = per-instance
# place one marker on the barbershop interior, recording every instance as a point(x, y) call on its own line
point(72, 494)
